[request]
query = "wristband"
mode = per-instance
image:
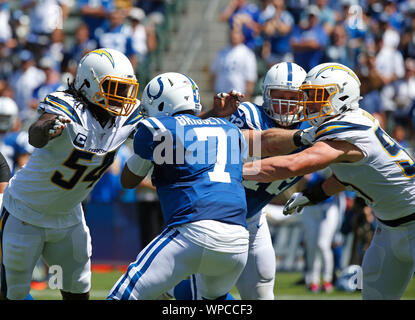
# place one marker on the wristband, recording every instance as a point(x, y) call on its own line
point(316, 194)
point(297, 138)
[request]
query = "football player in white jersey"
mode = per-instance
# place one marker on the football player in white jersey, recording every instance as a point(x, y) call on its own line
point(363, 158)
point(76, 138)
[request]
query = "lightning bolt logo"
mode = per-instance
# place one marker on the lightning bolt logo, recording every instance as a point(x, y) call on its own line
point(335, 67)
point(104, 53)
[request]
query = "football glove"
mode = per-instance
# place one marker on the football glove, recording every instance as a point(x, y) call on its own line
point(58, 125)
point(307, 136)
point(295, 204)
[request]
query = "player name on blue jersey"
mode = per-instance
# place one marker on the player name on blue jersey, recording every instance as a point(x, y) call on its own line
point(197, 167)
point(184, 120)
point(188, 139)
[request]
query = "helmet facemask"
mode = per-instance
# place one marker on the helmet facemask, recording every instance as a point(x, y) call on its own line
point(117, 95)
point(281, 110)
point(314, 102)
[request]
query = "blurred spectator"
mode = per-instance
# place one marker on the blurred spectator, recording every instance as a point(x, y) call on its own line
point(6, 89)
point(374, 9)
point(405, 93)
point(363, 225)
point(6, 32)
point(371, 83)
point(338, 51)
point(45, 17)
point(327, 16)
point(394, 16)
point(267, 10)
point(116, 35)
point(14, 144)
point(7, 41)
point(320, 223)
point(81, 45)
point(358, 35)
point(95, 12)
point(152, 7)
point(276, 30)
point(52, 83)
point(308, 40)
point(234, 67)
point(390, 66)
point(143, 37)
point(408, 37)
point(399, 134)
point(244, 15)
point(24, 81)
point(297, 7)
point(56, 50)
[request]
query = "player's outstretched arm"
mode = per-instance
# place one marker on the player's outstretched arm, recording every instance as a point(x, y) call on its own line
point(135, 170)
point(47, 127)
point(316, 194)
point(312, 159)
point(277, 141)
point(224, 104)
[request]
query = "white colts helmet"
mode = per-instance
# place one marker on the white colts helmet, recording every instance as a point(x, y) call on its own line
point(282, 76)
point(333, 86)
point(170, 93)
point(105, 77)
point(8, 114)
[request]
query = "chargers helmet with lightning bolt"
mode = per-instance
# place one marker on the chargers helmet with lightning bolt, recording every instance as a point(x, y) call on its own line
point(105, 77)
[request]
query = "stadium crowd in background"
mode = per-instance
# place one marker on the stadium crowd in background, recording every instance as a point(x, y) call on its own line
point(376, 38)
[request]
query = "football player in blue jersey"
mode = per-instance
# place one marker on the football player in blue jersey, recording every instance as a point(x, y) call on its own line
point(14, 145)
point(280, 94)
point(197, 171)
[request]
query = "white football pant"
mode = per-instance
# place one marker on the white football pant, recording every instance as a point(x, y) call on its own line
point(22, 245)
point(389, 262)
point(256, 282)
point(170, 258)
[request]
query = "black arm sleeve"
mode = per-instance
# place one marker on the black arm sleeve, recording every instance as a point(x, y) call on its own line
point(5, 173)
point(316, 194)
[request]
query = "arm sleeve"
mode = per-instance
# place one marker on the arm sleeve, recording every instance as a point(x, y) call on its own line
point(144, 143)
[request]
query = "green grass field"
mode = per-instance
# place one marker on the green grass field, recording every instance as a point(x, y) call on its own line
point(285, 289)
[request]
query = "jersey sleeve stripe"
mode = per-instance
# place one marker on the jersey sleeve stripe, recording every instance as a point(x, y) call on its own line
point(337, 127)
point(256, 117)
point(134, 118)
point(63, 106)
point(149, 126)
point(161, 127)
point(249, 115)
point(154, 125)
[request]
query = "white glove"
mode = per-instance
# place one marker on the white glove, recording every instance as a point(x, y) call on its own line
point(307, 136)
point(295, 204)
